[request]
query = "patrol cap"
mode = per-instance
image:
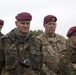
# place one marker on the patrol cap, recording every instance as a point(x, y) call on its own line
point(49, 18)
point(24, 16)
point(1, 22)
point(71, 31)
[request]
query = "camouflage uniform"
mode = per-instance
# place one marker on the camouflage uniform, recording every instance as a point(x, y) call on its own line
point(66, 59)
point(14, 49)
point(51, 48)
point(71, 55)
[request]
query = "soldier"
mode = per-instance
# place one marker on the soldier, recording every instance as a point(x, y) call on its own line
point(53, 43)
point(1, 25)
point(68, 57)
point(71, 44)
point(20, 51)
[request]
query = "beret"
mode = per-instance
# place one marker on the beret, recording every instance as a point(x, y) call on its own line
point(1, 22)
point(50, 18)
point(24, 16)
point(71, 31)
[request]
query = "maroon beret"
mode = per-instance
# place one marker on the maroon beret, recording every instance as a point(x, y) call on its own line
point(24, 16)
point(71, 31)
point(1, 22)
point(50, 18)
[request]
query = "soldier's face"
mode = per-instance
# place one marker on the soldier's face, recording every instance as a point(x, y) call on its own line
point(23, 26)
point(50, 27)
point(73, 40)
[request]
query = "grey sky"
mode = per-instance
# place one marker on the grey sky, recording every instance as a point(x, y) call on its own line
point(64, 10)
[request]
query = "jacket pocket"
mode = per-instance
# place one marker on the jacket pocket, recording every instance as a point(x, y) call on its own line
point(10, 59)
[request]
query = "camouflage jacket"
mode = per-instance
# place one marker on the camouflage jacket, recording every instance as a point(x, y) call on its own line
point(51, 48)
point(66, 60)
point(71, 52)
point(15, 52)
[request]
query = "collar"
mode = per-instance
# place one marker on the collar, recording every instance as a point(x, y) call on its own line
point(53, 39)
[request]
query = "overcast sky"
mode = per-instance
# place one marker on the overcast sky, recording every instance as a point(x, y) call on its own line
point(64, 10)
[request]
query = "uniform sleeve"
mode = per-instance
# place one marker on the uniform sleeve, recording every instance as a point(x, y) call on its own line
point(1, 56)
point(51, 63)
